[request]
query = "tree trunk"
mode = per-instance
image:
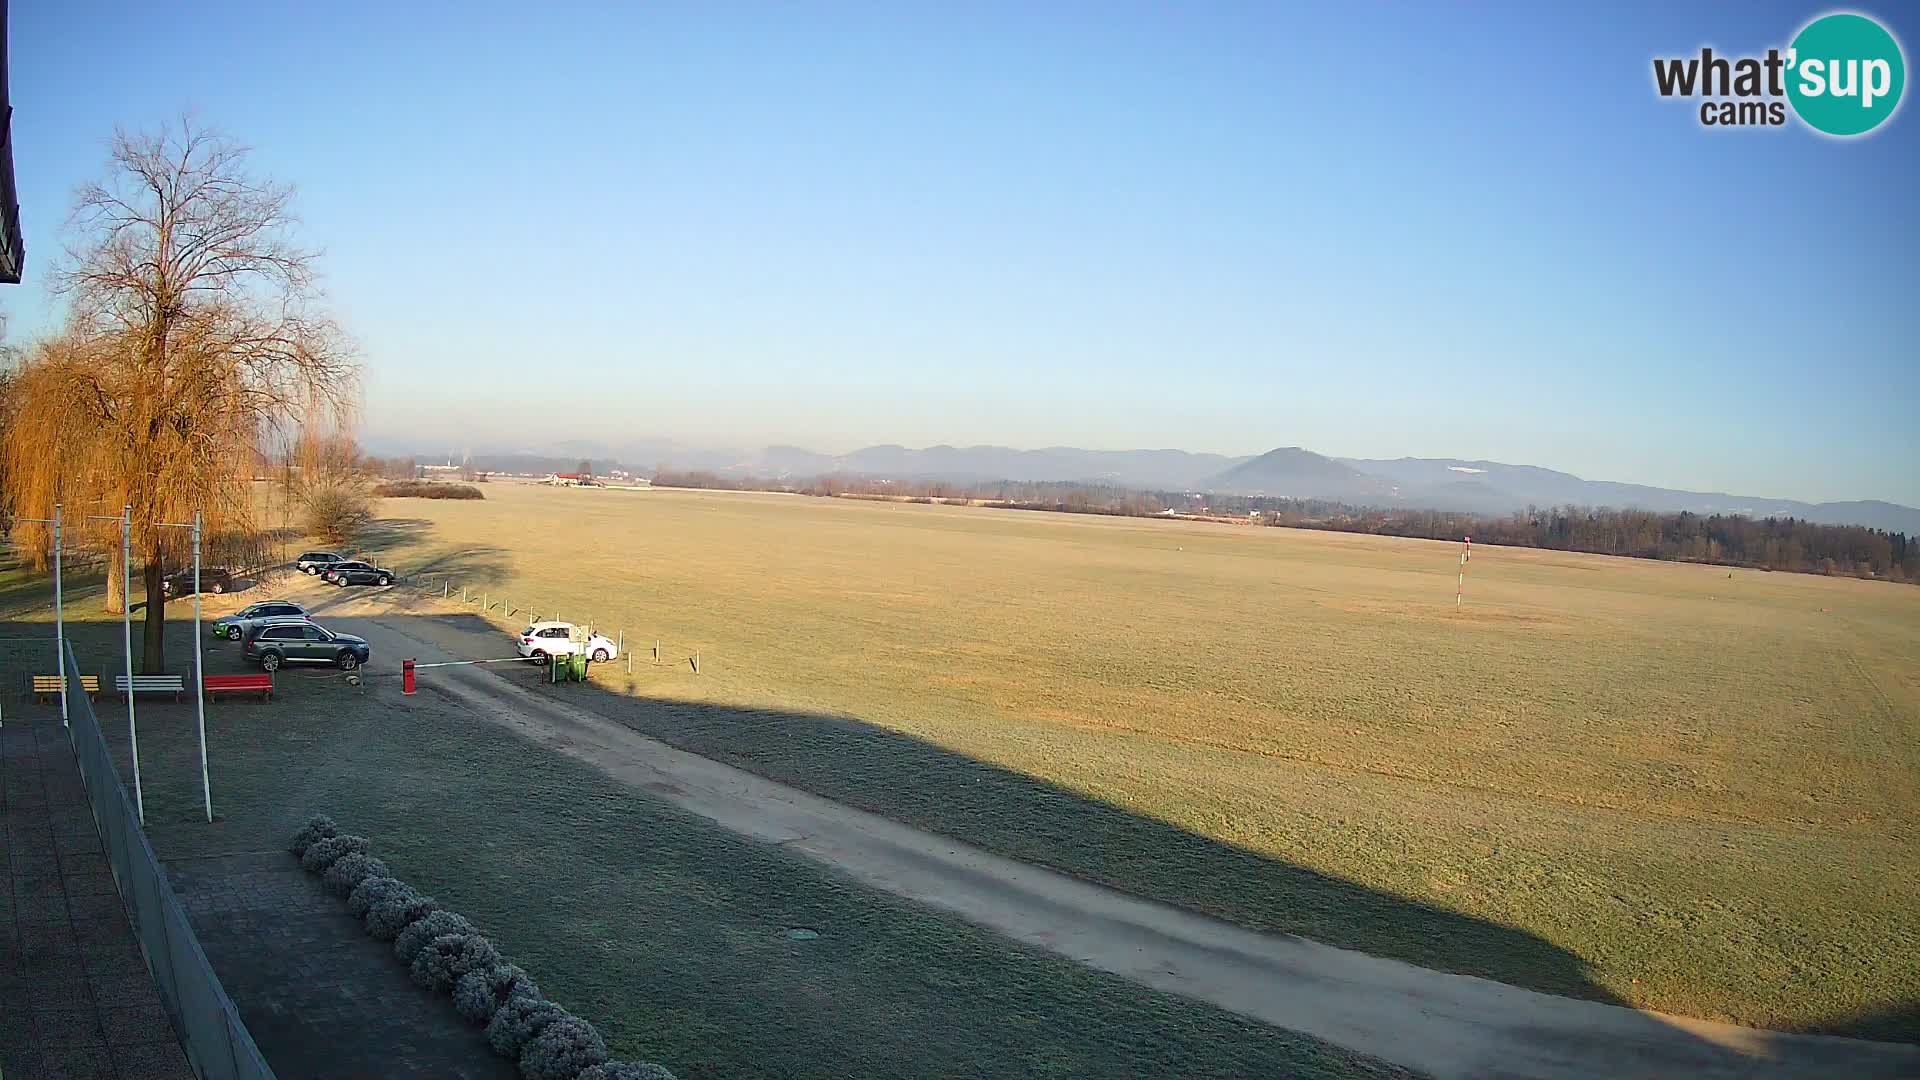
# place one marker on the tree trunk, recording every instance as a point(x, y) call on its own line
point(116, 585)
point(154, 637)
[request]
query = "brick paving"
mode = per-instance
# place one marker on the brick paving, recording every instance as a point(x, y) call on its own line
point(323, 1000)
point(76, 999)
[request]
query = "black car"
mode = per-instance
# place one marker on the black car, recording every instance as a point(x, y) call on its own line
point(301, 642)
point(354, 572)
point(213, 579)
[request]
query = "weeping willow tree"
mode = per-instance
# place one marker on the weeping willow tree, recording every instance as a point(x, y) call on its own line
point(192, 336)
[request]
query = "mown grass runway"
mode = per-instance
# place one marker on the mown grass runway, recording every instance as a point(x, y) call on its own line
point(1694, 790)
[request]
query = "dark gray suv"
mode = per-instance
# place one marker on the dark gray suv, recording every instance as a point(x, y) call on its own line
point(275, 643)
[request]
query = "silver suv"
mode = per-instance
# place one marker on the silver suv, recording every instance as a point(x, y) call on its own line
point(235, 626)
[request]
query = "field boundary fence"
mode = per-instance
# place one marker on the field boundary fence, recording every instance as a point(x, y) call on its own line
point(217, 1042)
point(657, 651)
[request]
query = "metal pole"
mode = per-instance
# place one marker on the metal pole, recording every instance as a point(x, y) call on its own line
point(199, 682)
point(59, 619)
point(126, 639)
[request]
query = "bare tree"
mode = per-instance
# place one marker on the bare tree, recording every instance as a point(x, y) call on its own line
point(332, 488)
point(191, 340)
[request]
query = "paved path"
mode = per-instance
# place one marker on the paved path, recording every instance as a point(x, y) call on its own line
point(1453, 1026)
point(323, 1000)
point(76, 999)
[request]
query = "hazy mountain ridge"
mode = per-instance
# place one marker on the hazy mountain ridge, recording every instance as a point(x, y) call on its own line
point(1478, 486)
point(1293, 472)
point(1502, 487)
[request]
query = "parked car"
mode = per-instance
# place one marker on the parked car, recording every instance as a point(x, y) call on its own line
point(313, 562)
point(299, 641)
point(354, 572)
point(543, 641)
point(234, 627)
point(213, 579)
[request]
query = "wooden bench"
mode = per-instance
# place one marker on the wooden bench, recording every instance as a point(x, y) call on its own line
point(47, 687)
point(152, 684)
point(239, 684)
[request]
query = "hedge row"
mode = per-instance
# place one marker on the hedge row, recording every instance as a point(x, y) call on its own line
point(447, 953)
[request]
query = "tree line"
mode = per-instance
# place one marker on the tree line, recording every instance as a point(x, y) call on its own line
point(1790, 544)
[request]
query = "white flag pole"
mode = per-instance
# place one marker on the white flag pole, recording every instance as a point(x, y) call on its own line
point(59, 619)
point(126, 641)
point(199, 681)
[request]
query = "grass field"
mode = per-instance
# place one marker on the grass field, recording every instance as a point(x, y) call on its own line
point(1674, 786)
point(666, 931)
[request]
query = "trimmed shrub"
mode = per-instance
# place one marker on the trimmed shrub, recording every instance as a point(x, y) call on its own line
point(481, 991)
point(426, 489)
point(348, 871)
point(561, 1050)
point(515, 1023)
point(372, 889)
point(419, 935)
point(396, 911)
point(626, 1070)
point(323, 852)
point(446, 958)
point(317, 828)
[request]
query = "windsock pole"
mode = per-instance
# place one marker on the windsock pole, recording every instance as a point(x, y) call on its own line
point(1460, 590)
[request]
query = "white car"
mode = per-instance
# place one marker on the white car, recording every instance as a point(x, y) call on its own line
point(544, 640)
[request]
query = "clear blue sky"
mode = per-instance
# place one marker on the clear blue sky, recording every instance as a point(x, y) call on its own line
point(1370, 231)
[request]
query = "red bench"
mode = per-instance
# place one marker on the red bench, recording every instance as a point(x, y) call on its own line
point(239, 684)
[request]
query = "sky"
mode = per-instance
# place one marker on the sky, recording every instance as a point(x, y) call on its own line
point(1369, 230)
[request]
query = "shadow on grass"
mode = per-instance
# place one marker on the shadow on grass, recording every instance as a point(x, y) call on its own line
point(930, 787)
point(386, 532)
point(1010, 813)
point(476, 562)
point(673, 935)
point(24, 588)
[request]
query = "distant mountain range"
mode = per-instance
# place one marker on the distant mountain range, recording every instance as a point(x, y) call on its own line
point(1421, 483)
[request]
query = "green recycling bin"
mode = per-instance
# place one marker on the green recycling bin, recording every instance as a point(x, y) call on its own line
point(568, 667)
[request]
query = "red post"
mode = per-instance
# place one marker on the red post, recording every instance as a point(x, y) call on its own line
point(406, 676)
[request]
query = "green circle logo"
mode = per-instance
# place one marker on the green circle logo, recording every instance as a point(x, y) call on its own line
point(1845, 74)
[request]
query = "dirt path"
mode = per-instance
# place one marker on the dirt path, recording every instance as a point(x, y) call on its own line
point(1452, 1026)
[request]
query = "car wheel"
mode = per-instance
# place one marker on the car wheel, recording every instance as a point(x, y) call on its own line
point(347, 661)
point(341, 581)
point(218, 588)
point(270, 661)
point(599, 656)
point(233, 633)
point(384, 580)
point(310, 570)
